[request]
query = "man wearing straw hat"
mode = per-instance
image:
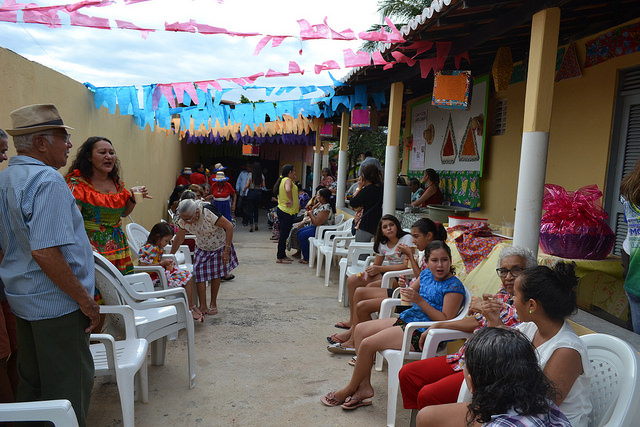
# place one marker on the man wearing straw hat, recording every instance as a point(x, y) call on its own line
point(47, 263)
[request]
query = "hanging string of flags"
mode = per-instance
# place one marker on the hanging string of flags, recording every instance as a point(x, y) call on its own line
point(48, 15)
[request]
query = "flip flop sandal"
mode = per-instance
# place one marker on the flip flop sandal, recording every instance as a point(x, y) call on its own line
point(352, 362)
point(283, 261)
point(339, 349)
point(330, 400)
point(351, 403)
point(212, 311)
point(341, 325)
point(333, 339)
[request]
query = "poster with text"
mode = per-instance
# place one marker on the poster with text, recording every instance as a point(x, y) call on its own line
point(451, 140)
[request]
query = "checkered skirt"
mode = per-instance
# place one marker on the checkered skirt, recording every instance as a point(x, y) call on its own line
point(208, 264)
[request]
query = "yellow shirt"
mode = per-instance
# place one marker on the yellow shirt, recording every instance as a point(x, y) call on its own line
point(283, 198)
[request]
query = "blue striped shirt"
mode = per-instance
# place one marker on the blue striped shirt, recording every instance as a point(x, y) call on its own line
point(37, 211)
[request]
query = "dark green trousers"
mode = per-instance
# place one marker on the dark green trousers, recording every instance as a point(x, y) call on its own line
point(54, 361)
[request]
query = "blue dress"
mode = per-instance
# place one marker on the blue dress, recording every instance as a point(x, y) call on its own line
point(433, 292)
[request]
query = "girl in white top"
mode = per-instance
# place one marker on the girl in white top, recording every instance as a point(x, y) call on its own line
point(543, 298)
point(386, 244)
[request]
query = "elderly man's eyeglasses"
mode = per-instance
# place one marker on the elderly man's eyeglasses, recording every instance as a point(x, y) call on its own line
point(503, 272)
point(66, 136)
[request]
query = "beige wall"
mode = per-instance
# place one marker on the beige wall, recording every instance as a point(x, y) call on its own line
point(150, 158)
point(579, 140)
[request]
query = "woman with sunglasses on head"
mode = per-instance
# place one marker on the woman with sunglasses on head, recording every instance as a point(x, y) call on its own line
point(437, 380)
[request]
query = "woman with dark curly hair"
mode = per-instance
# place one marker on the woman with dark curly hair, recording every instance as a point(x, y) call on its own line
point(509, 388)
point(543, 299)
point(101, 196)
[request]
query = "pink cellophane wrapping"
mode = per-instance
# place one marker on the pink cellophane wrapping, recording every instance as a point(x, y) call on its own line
point(574, 224)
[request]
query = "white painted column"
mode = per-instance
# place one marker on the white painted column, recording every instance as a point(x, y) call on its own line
point(545, 27)
point(341, 188)
point(325, 155)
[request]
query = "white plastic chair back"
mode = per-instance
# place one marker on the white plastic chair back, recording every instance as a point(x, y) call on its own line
point(137, 237)
point(615, 383)
point(59, 412)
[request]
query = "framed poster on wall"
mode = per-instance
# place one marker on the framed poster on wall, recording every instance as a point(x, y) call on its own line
point(451, 140)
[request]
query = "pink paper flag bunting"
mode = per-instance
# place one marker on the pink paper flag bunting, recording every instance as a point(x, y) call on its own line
point(181, 88)
point(294, 68)
point(8, 10)
point(326, 65)
point(261, 44)
point(395, 36)
point(389, 65)
point(426, 65)
point(374, 36)
point(235, 80)
point(207, 29)
point(442, 52)
point(403, 59)
point(187, 27)
point(252, 78)
point(347, 34)
point(134, 1)
point(378, 59)
point(360, 59)
point(77, 19)
point(272, 73)
point(87, 3)
point(203, 85)
point(463, 55)
point(166, 90)
point(310, 32)
point(42, 15)
point(125, 25)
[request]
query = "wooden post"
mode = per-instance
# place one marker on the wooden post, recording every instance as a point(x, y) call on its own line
point(342, 161)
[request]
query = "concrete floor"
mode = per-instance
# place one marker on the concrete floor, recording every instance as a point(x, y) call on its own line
point(262, 361)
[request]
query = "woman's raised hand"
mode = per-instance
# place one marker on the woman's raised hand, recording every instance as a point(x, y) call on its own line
point(411, 295)
point(491, 309)
point(142, 190)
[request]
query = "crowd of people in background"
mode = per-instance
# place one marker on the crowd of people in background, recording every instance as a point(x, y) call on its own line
point(52, 310)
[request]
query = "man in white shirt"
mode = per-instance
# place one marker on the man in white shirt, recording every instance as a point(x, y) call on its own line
point(241, 183)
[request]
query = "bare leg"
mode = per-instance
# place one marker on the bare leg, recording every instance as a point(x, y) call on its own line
point(202, 295)
point(215, 287)
point(188, 287)
point(449, 415)
point(370, 337)
point(366, 301)
point(354, 282)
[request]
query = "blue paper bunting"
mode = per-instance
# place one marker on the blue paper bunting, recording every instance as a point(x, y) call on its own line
point(360, 96)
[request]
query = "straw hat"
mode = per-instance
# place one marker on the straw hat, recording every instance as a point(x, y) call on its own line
point(186, 171)
point(220, 176)
point(219, 167)
point(35, 118)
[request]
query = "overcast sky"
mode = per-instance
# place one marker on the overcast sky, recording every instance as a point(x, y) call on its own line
point(122, 57)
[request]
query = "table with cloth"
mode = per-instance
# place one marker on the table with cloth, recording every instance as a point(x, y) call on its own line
point(600, 283)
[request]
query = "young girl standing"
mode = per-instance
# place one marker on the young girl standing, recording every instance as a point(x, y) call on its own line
point(151, 254)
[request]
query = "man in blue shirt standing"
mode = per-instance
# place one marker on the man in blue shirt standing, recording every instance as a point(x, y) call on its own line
point(47, 263)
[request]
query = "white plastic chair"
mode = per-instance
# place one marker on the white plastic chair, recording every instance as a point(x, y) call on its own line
point(59, 412)
point(395, 358)
point(137, 237)
point(338, 246)
point(158, 314)
point(323, 245)
point(351, 264)
point(315, 241)
point(123, 359)
point(615, 382)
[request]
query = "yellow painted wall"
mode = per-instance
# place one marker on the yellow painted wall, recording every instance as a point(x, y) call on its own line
point(579, 142)
point(150, 158)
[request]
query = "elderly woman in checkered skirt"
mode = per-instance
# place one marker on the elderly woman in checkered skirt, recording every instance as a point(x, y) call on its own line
point(215, 256)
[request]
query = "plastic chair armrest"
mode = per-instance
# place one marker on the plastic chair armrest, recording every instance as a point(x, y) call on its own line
point(436, 336)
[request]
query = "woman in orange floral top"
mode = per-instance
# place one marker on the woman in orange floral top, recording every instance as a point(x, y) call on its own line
point(103, 199)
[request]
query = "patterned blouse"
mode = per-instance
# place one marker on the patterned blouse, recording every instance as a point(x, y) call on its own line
point(508, 317)
point(209, 236)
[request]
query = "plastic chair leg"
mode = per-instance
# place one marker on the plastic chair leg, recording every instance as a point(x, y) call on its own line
point(319, 258)
point(392, 392)
point(342, 280)
point(191, 355)
point(327, 268)
point(312, 254)
point(158, 349)
point(125, 389)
